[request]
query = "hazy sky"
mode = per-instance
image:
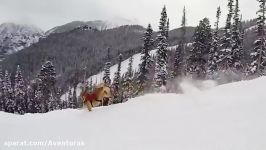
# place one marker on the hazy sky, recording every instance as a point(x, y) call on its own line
point(49, 13)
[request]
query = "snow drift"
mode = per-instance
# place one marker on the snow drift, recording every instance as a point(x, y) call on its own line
point(226, 117)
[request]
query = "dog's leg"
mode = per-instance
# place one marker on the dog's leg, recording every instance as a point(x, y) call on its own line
point(89, 105)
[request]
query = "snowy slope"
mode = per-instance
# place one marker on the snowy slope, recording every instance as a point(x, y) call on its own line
point(251, 28)
point(15, 37)
point(227, 117)
point(98, 77)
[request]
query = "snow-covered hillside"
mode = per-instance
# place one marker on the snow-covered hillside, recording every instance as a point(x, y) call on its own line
point(15, 37)
point(97, 24)
point(227, 117)
point(98, 77)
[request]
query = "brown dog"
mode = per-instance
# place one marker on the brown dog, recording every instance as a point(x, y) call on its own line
point(101, 96)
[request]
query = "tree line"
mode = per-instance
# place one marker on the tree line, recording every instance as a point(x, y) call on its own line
point(217, 53)
point(39, 96)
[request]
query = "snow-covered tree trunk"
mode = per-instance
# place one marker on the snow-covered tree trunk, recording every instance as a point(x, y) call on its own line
point(19, 91)
point(179, 60)
point(116, 86)
point(128, 83)
point(106, 76)
point(71, 99)
point(10, 104)
point(38, 104)
point(2, 96)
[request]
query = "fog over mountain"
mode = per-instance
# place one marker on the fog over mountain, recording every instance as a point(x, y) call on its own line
point(49, 13)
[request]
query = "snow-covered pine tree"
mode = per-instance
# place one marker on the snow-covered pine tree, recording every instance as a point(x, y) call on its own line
point(197, 60)
point(30, 100)
point(128, 83)
point(214, 52)
point(160, 76)
point(10, 103)
point(106, 76)
point(51, 103)
point(70, 99)
point(145, 60)
point(258, 55)
point(226, 48)
point(236, 41)
point(116, 86)
point(38, 105)
point(2, 100)
point(243, 53)
point(129, 72)
point(167, 28)
point(46, 80)
point(75, 99)
point(19, 91)
point(58, 101)
point(179, 64)
point(90, 85)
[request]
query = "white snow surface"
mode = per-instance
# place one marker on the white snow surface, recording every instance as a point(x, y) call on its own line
point(205, 117)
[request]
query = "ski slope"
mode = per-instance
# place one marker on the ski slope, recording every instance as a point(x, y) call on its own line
point(205, 117)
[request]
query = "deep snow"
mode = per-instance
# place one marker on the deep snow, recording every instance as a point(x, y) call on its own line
point(226, 117)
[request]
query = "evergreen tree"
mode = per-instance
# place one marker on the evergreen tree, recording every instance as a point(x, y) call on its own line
point(30, 100)
point(19, 91)
point(10, 103)
point(38, 105)
point(75, 99)
point(145, 60)
point(226, 49)
point(90, 85)
point(70, 99)
point(243, 53)
point(51, 103)
point(2, 96)
point(46, 80)
point(200, 48)
point(127, 84)
point(258, 55)
point(116, 86)
point(179, 63)
point(160, 76)
point(236, 41)
point(167, 28)
point(106, 76)
point(214, 52)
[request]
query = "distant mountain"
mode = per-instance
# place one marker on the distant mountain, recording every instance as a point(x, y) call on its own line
point(97, 24)
point(76, 24)
point(15, 37)
point(74, 50)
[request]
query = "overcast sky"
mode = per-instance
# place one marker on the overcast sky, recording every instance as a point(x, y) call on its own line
point(47, 14)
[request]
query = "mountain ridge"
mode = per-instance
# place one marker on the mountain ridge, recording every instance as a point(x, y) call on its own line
point(15, 37)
